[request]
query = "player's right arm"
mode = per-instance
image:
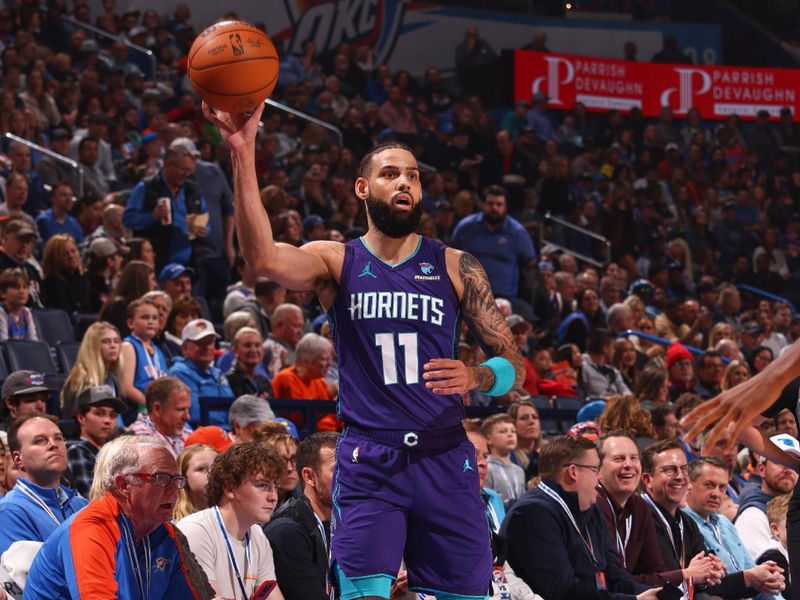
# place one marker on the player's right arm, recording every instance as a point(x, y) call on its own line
point(306, 268)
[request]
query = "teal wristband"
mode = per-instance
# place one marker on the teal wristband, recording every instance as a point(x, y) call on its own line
point(503, 375)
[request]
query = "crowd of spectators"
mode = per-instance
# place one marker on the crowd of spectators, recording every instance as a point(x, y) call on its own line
point(140, 254)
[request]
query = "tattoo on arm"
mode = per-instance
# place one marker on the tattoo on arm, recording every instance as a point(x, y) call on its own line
point(486, 322)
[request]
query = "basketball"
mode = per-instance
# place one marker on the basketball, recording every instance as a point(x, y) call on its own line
point(233, 66)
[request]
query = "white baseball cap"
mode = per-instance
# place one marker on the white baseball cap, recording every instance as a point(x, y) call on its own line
point(197, 330)
point(786, 443)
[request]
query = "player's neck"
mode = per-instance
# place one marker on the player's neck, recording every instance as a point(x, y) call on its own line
point(388, 249)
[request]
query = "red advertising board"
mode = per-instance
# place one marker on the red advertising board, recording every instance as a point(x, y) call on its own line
point(604, 84)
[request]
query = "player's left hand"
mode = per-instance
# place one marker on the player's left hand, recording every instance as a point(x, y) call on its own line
point(447, 376)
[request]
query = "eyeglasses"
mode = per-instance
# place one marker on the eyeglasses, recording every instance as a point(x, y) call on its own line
point(593, 468)
point(163, 479)
point(672, 470)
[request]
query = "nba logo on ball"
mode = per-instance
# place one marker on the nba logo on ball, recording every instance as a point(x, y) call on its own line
point(233, 66)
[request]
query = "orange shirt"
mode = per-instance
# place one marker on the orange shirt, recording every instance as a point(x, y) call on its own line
point(288, 385)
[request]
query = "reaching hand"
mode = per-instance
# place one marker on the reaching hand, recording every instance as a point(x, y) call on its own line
point(238, 130)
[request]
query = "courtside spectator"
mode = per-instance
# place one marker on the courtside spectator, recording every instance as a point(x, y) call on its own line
point(142, 360)
point(305, 380)
point(167, 401)
point(38, 503)
point(299, 531)
point(95, 553)
point(196, 369)
point(24, 392)
point(96, 414)
point(194, 462)
point(227, 538)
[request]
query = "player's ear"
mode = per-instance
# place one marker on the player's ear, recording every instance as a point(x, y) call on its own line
point(362, 188)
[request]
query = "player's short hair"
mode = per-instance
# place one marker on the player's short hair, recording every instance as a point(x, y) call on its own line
point(237, 463)
point(492, 420)
point(778, 507)
point(649, 454)
point(560, 451)
point(697, 464)
point(365, 168)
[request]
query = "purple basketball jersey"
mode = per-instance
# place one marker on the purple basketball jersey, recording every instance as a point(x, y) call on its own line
point(388, 321)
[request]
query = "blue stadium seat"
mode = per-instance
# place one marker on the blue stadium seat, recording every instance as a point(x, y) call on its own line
point(30, 355)
point(541, 402)
point(67, 353)
point(568, 403)
point(81, 322)
point(53, 325)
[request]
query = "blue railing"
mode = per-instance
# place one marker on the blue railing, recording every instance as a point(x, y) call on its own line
point(765, 294)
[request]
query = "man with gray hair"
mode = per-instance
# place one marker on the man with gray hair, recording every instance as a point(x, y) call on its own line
point(122, 545)
point(246, 413)
point(619, 318)
point(288, 323)
point(169, 210)
point(304, 380)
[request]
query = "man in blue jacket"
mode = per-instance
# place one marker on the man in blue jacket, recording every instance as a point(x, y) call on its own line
point(557, 540)
point(196, 369)
point(38, 503)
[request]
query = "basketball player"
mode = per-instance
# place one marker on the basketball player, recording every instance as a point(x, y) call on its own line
point(406, 481)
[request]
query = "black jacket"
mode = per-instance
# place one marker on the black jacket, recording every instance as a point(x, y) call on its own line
point(546, 551)
point(732, 585)
point(301, 558)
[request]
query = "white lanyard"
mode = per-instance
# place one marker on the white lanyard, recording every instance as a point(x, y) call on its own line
point(35, 497)
point(493, 516)
point(621, 546)
point(587, 541)
point(321, 528)
point(231, 556)
point(130, 548)
point(155, 371)
point(721, 545)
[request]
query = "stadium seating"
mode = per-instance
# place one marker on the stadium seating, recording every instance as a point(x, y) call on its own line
point(53, 326)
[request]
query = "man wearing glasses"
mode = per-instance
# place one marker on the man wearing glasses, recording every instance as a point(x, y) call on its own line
point(558, 541)
point(665, 475)
point(227, 537)
point(122, 545)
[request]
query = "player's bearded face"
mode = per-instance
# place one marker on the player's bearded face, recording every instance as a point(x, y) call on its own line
point(391, 221)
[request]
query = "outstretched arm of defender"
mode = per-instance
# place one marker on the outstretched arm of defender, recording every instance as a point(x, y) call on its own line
point(295, 268)
point(447, 376)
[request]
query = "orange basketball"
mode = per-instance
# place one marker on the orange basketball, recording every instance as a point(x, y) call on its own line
point(233, 66)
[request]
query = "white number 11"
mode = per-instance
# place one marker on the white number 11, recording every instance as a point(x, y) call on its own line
point(409, 343)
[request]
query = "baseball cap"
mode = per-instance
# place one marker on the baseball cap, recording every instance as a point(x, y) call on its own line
point(185, 144)
point(752, 328)
point(19, 228)
point(514, 320)
point(210, 435)
point(103, 248)
point(20, 383)
point(173, 271)
point(591, 411)
point(787, 443)
point(312, 221)
point(197, 330)
point(729, 204)
point(671, 146)
point(138, 30)
point(98, 395)
point(89, 46)
point(59, 133)
point(586, 429)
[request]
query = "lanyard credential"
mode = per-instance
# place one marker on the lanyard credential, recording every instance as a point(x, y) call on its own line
point(688, 585)
point(229, 548)
point(35, 497)
point(621, 546)
point(143, 583)
point(717, 535)
point(587, 540)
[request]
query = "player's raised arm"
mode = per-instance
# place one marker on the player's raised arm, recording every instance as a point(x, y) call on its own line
point(295, 268)
point(504, 370)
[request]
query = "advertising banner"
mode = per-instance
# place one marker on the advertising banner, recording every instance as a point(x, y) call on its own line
point(604, 84)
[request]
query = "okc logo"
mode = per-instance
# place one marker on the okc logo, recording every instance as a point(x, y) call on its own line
point(686, 89)
point(426, 268)
point(161, 564)
point(374, 23)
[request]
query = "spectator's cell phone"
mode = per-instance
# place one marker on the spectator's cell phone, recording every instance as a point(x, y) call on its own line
point(670, 591)
point(263, 592)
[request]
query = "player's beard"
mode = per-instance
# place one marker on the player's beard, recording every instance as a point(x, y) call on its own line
point(394, 223)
